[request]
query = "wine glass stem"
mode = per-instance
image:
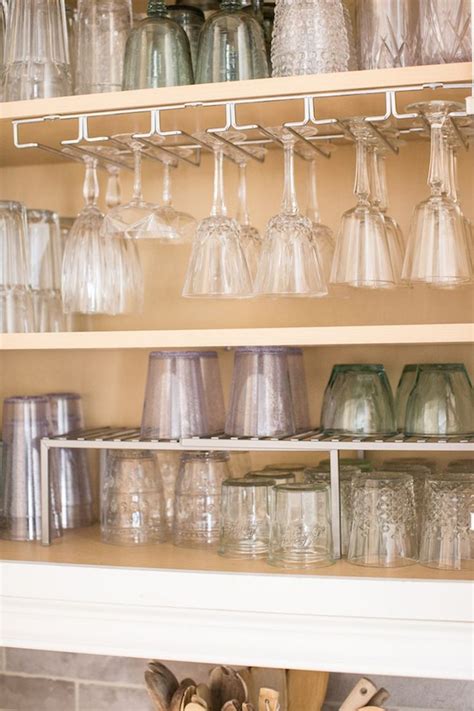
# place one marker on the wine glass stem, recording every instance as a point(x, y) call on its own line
point(312, 210)
point(166, 197)
point(91, 184)
point(218, 204)
point(137, 180)
point(242, 213)
point(436, 177)
point(113, 195)
point(375, 178)
point(289, 203)
point(362, 185)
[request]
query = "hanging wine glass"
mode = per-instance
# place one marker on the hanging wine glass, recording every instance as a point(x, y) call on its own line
point(289, 265)
point(322, 237)
point(362, 257)
point(218, 267)
point(451, 167)
point(173, 226)
point(250, 237)
point(437, 252)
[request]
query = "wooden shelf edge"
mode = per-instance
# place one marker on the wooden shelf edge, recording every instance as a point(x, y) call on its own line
point(219, 338)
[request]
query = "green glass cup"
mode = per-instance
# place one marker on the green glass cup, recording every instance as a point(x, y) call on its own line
point(405, 386)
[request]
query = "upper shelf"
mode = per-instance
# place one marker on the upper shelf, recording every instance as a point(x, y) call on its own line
point(198, 106)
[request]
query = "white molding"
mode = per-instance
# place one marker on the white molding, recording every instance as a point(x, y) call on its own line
point(376, 626)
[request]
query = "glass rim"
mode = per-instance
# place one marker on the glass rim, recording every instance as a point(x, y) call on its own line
point(164, 355)
point(452, 477)
point(299, 487)
point(380, 475)
point(63, 396)
point(186, 8)
point(242, 483)
point(261, 349)
point(372, 367)
point(265, 474)
point(26, 398)
point(442, 366)
point(204, 455)
point(39, 212)
point(12, 205)
point(291, 467)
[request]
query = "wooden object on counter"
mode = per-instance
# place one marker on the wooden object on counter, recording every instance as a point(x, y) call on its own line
point(307, 690)
point(268, 700)
point(380, 697)
point(258, 677)
point(360, 695)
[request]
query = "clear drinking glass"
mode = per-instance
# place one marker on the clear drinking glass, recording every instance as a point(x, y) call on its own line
point(71, 466)
point(191, 19)
point(250, 237)
point(3, 45)
point(278, 477)
point(26, 420)
point(157, 52)
point(300, 527)
point(388, 33)
point(322, 236)
point(197, 512)
point(404, 388)
point(420, 474)
point(172, 226)
point(174, 404)
point(445, 31)
point(299, 389)
point(217, 266)
point(71, 28)
point(37, 57)
point(441, 401)
point(168, 462)
point(16, 303)
point(437, 251)
point(311, 37)
point(358, 401)
point(261, 402)
point(447, 539)
point(132, 500)
point(384, 526)
point(212, 391)
point(102, 30)
point(362, 258)
point(289, 264)
point(231, 46)
point(245, 518)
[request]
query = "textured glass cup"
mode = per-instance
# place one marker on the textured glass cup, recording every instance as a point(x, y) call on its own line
point(174, 404)
point(384, 525)
point(231, 46)
point(420, 474)
point(37, 57)
point(26, 420)
point(157, 52)
point(261, 398)
point(311, 37)
point(388, 33)
point(300, 527)
point(358, 400)
point(299, 389)
point(197, 507)
point(404, 388)
point(132, 500)
point(245, 518)
point(447, 538)
point(441, 401)
point(445, 31)
point(16, 304)
point(168, 462)
point(102, 30)
point(71, 466)
point(212, 391)
point(191, 19)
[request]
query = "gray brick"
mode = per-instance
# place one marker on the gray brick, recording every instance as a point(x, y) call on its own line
point(19, 693)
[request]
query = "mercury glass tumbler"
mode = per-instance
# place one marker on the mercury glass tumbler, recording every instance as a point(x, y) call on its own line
point(132, 500)
point(16, 303)
point(445, 31)
point(26, 420)
point(245, 518)
point(384, 525)
point(388, 33)
point(197, 507)
point(358, 401)
point(174, 404)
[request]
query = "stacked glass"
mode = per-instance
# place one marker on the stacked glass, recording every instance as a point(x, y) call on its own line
point(16, 303)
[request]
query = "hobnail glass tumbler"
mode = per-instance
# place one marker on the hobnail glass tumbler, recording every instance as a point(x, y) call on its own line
point(441, 401)
point(102, 30)
point(384, 526)
point(445, 31)
point(388, 33)
point(420, 474)
point(37, 57)
point(404, 388)
point(157, 52)
point(191, 19)
point(447, 538)
point(310, 37)
point(358, 400)
point(197, 506)
point(16, 304)
point(231, 46)
point(174, 404)
point(261, 398)
point(245, 518)
point(300, 527)
point(132, 501)
point(25, 421)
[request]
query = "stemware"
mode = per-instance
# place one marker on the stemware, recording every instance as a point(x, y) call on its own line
point(388, 33)
point(451, 171)
point(322, 236)
point(437, 251)
point(362, 257)
point(288, 263)
point(445, 31)
point(172, 226)
point(157, 52)
point(16, 304)
point(191, 19)
point(249, 236)
point(37, 57)
point(218, 267)
point(231, 46)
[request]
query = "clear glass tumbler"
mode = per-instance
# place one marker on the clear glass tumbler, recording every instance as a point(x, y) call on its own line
point(132, 500)
point(191, 19)
point(404, 388)
point(3, 45)
point(102, 30)
point(358, 400)
point(447, 538)
point(445, 31)
point(197, 506)
point(300, 527)
point(212, 389)
point(384, 525)
point(245, 518)
point(37, 56)
point(388, 33)
point(278, 477)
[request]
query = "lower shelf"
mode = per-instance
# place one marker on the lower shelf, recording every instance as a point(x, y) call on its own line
point(84, 596)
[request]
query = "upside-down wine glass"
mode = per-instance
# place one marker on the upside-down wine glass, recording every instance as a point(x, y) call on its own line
point(322, 236)
point(218, 267)
point(362, 257)
point(250, 237)
point(437, 251)
point(453, 191)
point(173, 226)
point(289, 265)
